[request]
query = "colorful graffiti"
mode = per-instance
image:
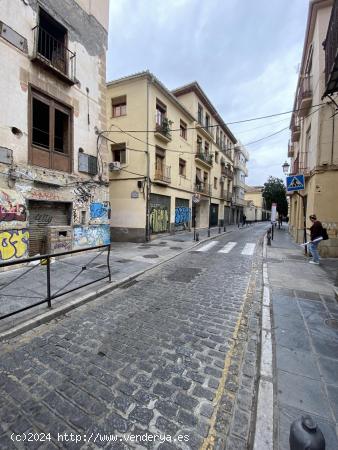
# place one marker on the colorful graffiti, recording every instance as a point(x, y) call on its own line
point(159, 220)
point(182, 215)
point(12, 207)
point(91, 236)
point(13, 244)
point(100, 210)
point(44, 195)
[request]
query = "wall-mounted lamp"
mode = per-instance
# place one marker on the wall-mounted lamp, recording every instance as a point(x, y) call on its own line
point(286, 167)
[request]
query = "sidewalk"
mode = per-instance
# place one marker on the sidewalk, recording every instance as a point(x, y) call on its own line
point(305, 329)
point(25, 286)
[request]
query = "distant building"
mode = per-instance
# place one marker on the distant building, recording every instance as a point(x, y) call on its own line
point(177, 175)
point(53, 176)
point(240, 173)
point(255, 209)
point(313, 146)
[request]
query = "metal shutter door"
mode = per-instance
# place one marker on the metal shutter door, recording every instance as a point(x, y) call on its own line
point(42, 214)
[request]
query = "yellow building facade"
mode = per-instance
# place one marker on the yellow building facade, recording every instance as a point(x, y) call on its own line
point(171, 159)
point(255, 209)
point(313, 146)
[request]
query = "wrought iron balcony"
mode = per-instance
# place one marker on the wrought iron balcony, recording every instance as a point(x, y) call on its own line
point(163, 130)
point(225, 171)
point(291, 150)
point(162, 173)
point(305, 95)
point(331, 53)
point(203, 188)
point(295, 133)
point(54, 55)
point(203, 156)
point(226, 195)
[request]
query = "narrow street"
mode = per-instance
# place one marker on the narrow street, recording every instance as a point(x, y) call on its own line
point(172, 354)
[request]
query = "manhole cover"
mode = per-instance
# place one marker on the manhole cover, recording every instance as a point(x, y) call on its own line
point(184, 274)
point(150, 256)
point(175, 248)
point(332, 323)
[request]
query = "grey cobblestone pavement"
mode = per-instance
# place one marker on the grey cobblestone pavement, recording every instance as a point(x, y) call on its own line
point(173, 353)
point(25, 286)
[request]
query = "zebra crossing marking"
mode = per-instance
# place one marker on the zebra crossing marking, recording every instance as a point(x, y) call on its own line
point(248, 249)
point(228, 247)
point(207, 246)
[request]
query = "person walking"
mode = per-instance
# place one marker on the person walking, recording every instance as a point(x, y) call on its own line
point(316, 232)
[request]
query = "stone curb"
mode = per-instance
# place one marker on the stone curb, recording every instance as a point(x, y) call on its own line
point(58, 311)
point(263, 439)
point(335, 290)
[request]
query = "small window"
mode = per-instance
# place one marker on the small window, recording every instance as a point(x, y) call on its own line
point(215, 182)
point(207, 121)
point(206, 147)
point(199, 144)
point(182, 167)
point(216, 157)
point(200, 114)
point(161, 112)
point(183, 129)
point(119, 153)
point(119, 106)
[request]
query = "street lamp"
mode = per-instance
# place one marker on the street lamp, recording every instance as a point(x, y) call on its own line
point(286, 167)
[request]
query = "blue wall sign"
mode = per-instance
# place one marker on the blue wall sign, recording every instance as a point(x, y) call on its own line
point(295, 183)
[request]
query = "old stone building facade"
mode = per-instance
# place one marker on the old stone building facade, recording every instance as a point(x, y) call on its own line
point(53, 161)
point(172, 159)
point(313, 146)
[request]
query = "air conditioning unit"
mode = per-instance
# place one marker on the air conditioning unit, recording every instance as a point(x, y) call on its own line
point(115, 165)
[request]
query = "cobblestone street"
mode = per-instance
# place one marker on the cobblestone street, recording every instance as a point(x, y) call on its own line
point(172, 353)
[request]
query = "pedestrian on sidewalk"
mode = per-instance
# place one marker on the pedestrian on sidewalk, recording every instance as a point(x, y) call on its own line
point(316, 232)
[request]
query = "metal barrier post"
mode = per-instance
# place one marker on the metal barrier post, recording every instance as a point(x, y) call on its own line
point(48, 283)
point(108, 263)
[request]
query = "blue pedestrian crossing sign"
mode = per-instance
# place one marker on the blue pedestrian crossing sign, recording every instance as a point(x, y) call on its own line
point(295, 183)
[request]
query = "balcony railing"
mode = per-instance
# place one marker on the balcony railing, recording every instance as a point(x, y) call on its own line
point(203, 188)
point(54, 55)
point(305, 95)
point(295, 133)
point(163, 130)
point(226, 195)
point(203, 156)
point(162, 173)
point(225, 171)
point(291, 150)
point(331, 55)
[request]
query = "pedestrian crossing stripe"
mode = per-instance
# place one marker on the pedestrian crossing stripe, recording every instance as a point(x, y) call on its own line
point(247, 250)
point(207, 246)
point(228, 247)
point(295, 183)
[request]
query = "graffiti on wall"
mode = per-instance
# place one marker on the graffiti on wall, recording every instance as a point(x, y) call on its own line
point(91, 236)
point(159, 220)
point(13, 244)
point(182, 215)
point(12, 206)
point(83, 195)
point(100, 210)
point(51, 195)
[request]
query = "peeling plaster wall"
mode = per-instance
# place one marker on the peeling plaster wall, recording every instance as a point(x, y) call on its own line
point(88, 38)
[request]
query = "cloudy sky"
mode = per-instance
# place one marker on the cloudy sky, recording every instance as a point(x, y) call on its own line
point(245, 55)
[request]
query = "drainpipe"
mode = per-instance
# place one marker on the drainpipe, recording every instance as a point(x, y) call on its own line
point(148, 171)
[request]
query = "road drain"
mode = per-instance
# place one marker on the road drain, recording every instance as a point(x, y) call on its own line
point(332, 323)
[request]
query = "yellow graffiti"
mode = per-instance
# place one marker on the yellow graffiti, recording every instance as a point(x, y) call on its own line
point(159, 219)
point(13, 244)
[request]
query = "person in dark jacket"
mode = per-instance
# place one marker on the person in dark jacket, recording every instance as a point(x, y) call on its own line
point(316, 231)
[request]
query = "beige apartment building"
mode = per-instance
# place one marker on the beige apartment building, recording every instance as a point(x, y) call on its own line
point(53, 175)
point(255, 209)
point(240, 173)
point(174, 176)
point(313, 146)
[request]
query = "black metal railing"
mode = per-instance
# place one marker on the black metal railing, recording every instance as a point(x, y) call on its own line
point(46, 260)
point(203, 156)
point(162, 173)
point(203, 188)
point(54, 53)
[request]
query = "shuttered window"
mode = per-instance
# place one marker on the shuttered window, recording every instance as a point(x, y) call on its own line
point(50, 128)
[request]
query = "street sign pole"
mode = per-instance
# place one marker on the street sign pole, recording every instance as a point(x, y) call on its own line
point(296, 183)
